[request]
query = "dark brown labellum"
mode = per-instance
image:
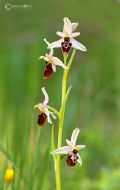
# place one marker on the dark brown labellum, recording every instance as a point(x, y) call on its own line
point(71, 160)
point(48, 70)
point(41, 119)
point(66, 45)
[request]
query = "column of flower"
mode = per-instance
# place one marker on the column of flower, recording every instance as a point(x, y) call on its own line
point(66, 43)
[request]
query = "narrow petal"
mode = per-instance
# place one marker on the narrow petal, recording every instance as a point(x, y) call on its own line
point(45, 58)
point(74, 26)
point(58, 62)
point(40, 107)
point(70, 144)
point(74, 136)
point(79, 160)
point(67, 26)
point(46, 42)
point(46, 96)
point(52, 114)
point(51, 50)
point(61, 150)
point(41, 57)
point(56, 44)
point(36, 106)
point(75, 34)
point(79, 147)
point(78, 45)
point(61, 34)
point(48, 116)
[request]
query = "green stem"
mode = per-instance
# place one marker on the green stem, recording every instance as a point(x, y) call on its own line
point(61, 119)
point(64, 80)
point(57, 174)
point(61, 116)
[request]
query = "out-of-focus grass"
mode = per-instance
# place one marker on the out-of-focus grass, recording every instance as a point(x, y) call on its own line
point(94, 103)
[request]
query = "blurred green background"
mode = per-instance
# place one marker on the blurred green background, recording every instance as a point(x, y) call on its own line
point(93, 105)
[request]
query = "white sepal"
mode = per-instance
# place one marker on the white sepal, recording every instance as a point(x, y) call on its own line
point(61, 150)
point(70, 144)
point(46, 96)
point(56, 44)
point(78, 45)
point(67, 26)
point(74, 136)
point(61, 34)
point(58, 62)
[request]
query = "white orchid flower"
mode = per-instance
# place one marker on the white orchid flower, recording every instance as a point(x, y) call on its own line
point(44, 113)
point(67, 38)
point(51, 62)
point(71, 150)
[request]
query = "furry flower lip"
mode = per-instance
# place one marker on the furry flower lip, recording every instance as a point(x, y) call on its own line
point(67, 38)
point(71, 150)
point(51, 62)
point(44, 113)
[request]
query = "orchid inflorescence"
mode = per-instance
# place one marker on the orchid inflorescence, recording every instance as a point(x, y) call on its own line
point(66, 43)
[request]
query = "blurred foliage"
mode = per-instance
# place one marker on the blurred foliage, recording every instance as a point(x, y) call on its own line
point(93, 105)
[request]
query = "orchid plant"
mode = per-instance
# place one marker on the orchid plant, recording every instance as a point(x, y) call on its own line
point(66, 43)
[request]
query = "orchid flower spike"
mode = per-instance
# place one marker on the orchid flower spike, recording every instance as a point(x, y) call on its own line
point(71, 150)
point(67, 38)
point(44, 113)
point(51, 62)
